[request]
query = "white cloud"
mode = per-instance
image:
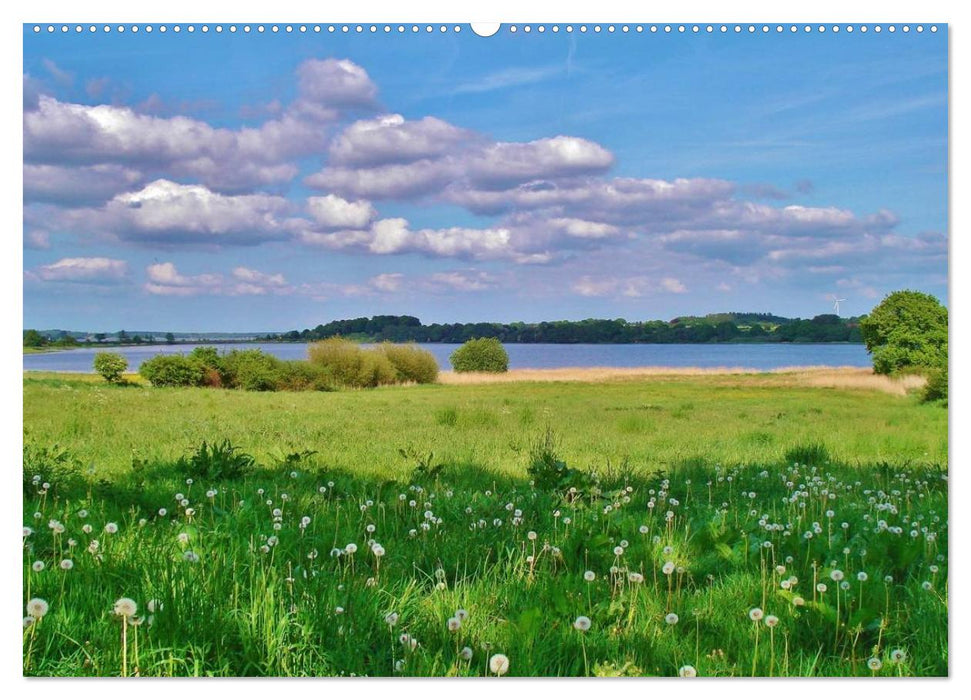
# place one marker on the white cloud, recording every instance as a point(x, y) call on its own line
point(84, 270)
point(392, 139)
point(506, 164)
point(461, 281)
point(331, 212)
point(335, 83)
point(634, 286)
point(166, 212)
point(387, 282)
point(164, 279)
point(71, 186)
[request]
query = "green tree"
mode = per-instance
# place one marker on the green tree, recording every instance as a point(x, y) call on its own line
point(170, 338)
point(480, 355)
point(33, 339)
point(110, 365)
point(907, 330)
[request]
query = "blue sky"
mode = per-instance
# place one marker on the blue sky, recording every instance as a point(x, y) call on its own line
point(234, 182)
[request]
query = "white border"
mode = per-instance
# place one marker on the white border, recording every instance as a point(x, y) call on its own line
point(384, 11)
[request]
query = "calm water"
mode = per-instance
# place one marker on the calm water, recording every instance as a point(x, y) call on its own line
point(762, 357)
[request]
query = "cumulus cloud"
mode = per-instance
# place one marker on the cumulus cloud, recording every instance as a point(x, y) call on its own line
point(393, 181)
point(74, 186)
point(335, 84)
point(164, 279)
point(395, 237)
point(83, 270)
point(393, 158)
point(166, 212)
point(392, 139)
point(68, 134)
point(504, 164)
point(331, 212)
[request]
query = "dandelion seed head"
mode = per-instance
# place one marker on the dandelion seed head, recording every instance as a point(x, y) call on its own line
point(582, 623)
point(37, 608)
point(499, 664)
point(125, 607)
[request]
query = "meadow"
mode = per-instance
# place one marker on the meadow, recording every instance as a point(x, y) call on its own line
point(714, 525)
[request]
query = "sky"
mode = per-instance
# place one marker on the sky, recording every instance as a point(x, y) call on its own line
point(265, 182)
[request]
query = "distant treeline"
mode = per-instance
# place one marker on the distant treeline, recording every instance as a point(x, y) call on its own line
point(714, 328)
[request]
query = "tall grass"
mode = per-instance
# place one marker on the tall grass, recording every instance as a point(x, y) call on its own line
point(258, 576)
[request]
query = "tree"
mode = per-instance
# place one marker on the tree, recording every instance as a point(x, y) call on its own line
point(33, 339)
point(110, 365)
point(480, 355)
point(170, 338)
point(906, 330)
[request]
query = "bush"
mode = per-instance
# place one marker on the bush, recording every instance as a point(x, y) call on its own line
point(936, 387)
point(110, 365)
point(350, 365)
point(375, 370)
point(300, 375)
point(215, 462)
point(253, 370)
point(207, 356)
point(411, 363)
point(173, 370)
point(480, 355)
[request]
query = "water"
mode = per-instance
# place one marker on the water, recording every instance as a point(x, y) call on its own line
point(764, 356)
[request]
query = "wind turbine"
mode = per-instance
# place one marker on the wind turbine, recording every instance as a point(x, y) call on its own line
point(836, 303)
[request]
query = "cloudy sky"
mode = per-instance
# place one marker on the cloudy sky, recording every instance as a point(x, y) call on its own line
point(232, 182)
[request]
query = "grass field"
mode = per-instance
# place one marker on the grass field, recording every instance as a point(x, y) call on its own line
point(713, 524)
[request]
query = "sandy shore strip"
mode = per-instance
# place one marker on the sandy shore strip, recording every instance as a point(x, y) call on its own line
point(831, 377)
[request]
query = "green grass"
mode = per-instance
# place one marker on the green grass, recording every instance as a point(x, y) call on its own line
point(652, 425)
point(441, 474)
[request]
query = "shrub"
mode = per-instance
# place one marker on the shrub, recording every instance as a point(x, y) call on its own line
point(214, 462)
point(173, 370)
point(936, 387)
point(110, 365)
point(207, 356)
point(253, 370)
point(300, 375)
point(480, 355)
point(411, 363)
point(340, 357)
point(375, 370)
point(350, 365)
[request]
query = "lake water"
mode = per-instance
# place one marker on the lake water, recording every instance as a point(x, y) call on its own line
point(764, 356)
